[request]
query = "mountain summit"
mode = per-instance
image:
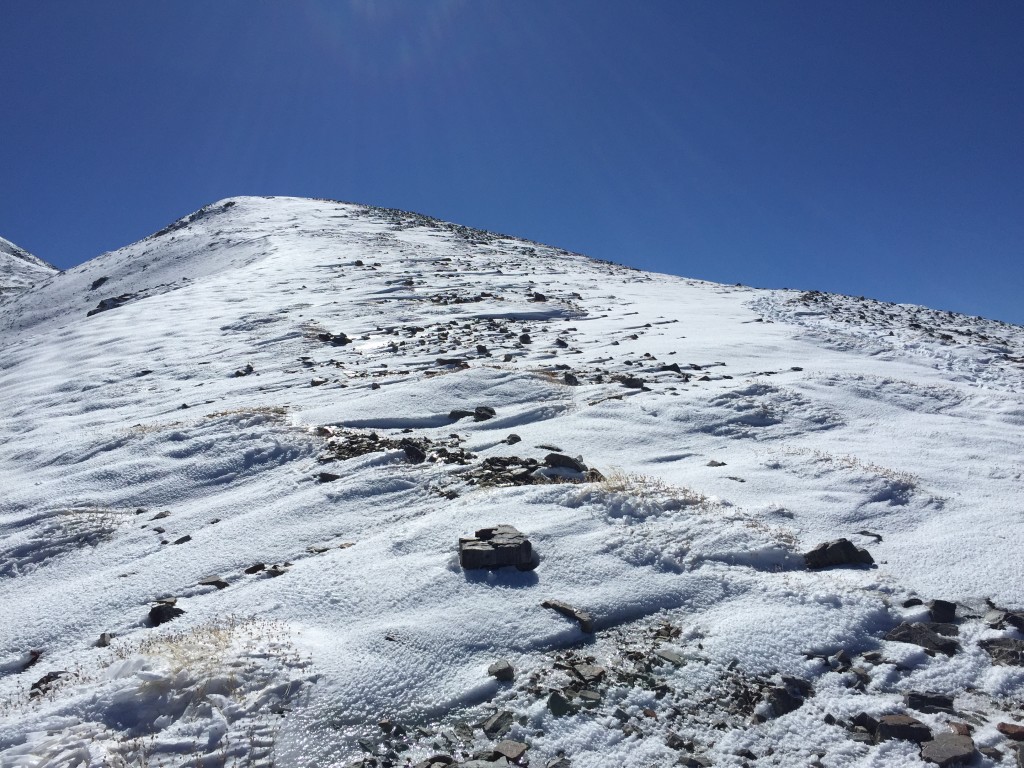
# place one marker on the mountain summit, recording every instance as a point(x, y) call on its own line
point(306, 483)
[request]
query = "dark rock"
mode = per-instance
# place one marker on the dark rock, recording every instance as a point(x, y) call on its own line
point(98, 282)
point(1005, 650)
point(1015, 619)
point(105, 639)
point(459, 413)
point(922, 635)
point(929, 703)
point(446, 362)
point(913, 602)
point(495, 547)
point(995, 754)
point(497, 725)
point(483, 413)
point(255, 568)
point(538, 297)
point(1013, 731)
point(561, 343)
point(559, 706)
point(183, 539)
point(558, 762)
point(783, 701)
point(715, 463)
point(511, 750)
point(163, 612)
point(413, 452)
point(43, 684)
point(866, 722)
point(902, 727)
point(586, 621)
point(524, 338)
point(942, 611)
point(570, 379)
point(213, 581)
point(838, 552)
point(948, 749)
point(632, 382)
point(566, 462)
point(502, 670)
point(327, 477)
point(481, 350)
point(673, 367)
point(513, 439)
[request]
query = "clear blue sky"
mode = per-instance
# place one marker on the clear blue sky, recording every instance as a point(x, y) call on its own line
point(867, 147)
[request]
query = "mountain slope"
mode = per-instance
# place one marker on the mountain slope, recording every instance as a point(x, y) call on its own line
point(19, 269)
point(256, 428)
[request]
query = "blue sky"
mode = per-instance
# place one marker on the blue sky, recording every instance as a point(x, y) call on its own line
point(870, 148)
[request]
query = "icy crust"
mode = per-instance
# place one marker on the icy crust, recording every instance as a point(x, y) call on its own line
point(291, 411)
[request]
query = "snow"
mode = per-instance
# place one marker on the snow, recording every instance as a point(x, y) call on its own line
point(19, 269)
point(801, 420)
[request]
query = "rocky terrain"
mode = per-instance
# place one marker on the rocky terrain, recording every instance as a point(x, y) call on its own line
point(298, 482)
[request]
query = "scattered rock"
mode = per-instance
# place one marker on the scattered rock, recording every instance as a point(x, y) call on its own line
point(334, 339)
point(105, 639)
point(513, 439)
point(182, 540)
point(502, 670)
point(714, 463)
point(942, 611)
point(327, 477)
point(498, 724)
point(243, 371)
point(512, 750)
point(1013, 731)
point(924, 636)
point(1005, 650)
point(496, 547)
point(213, 581)
point(43, 684)
point(570, 379)
point(589, 673)
point(413, 452)
point(586, 621)
point(483, 413)
point(948, 749)
point(318, 381)
point(161, 613)
point(902, 727)
point(838, 552)
point(566, 462)
point(524, 338)
point(558, 705)
point(255, 568)
point(929, 703)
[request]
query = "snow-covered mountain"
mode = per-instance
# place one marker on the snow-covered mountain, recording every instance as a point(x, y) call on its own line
point(19, 269)
point(237, 458)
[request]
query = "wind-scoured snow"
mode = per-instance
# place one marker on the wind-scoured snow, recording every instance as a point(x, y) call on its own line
point(169, 409)
point(19, 269)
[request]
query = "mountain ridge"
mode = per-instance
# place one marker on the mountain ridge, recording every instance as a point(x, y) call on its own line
point(296, 408)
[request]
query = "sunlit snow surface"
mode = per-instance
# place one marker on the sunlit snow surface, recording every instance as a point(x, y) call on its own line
point(832, 416)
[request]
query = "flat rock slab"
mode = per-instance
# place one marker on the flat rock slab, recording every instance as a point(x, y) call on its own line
point(924, 636)
point(495, 548)
point(839, 552)
point(948, 749)
point(512, 750)
point(902, 727)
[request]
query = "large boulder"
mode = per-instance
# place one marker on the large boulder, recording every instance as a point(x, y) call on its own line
point(838, 552)
point(496, 547)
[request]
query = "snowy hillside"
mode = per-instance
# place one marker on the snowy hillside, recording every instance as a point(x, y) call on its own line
point(19, 269)
point(237, 458)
